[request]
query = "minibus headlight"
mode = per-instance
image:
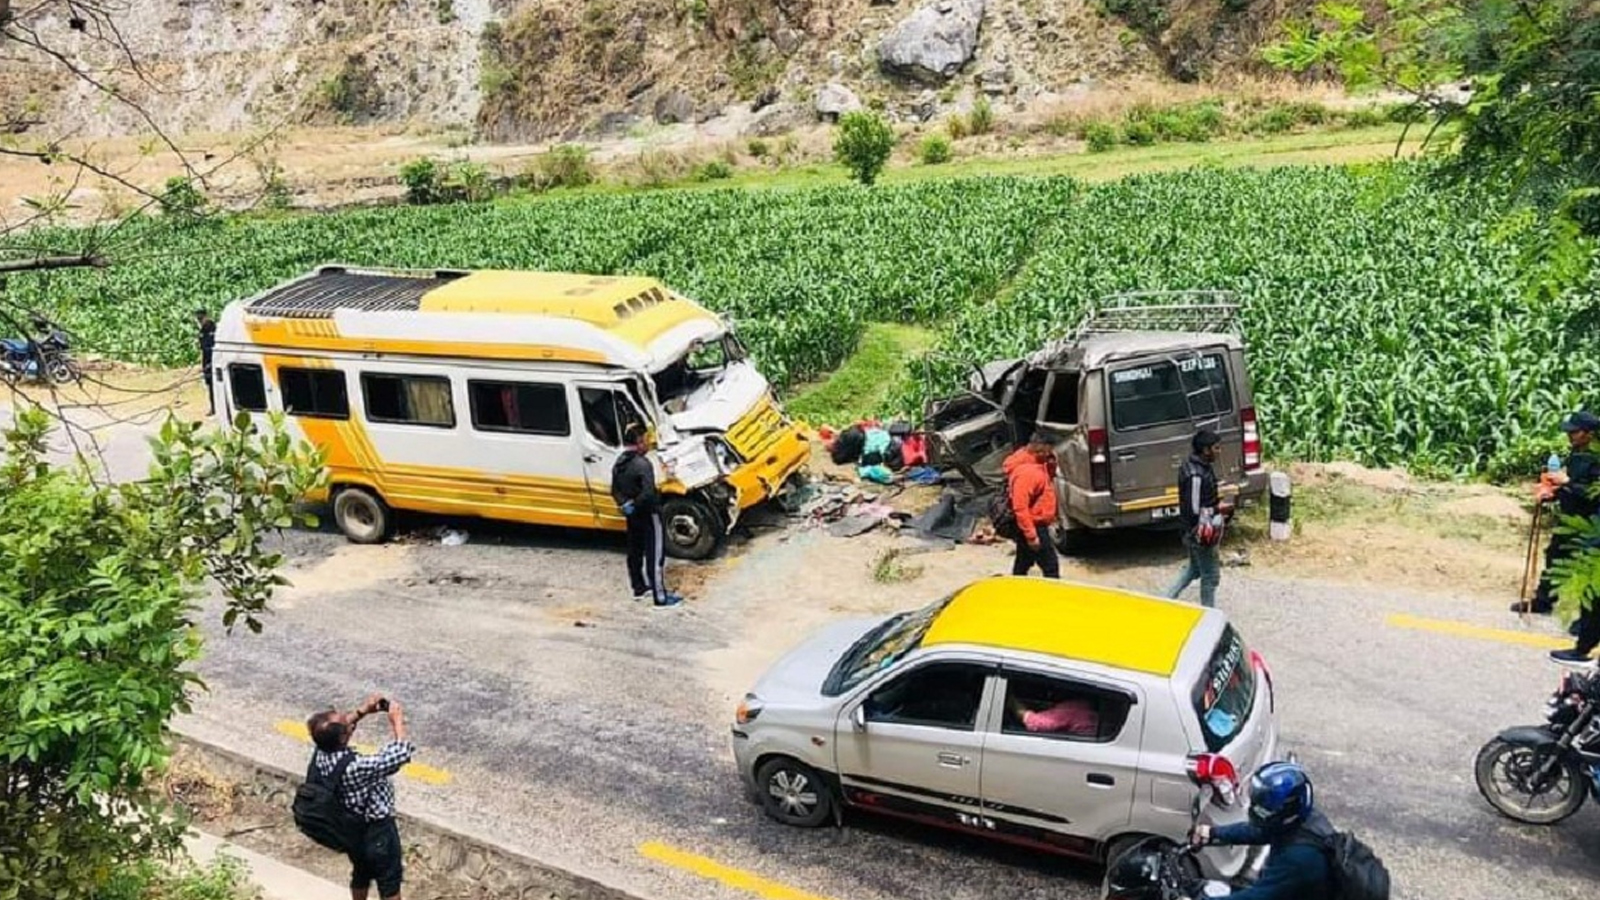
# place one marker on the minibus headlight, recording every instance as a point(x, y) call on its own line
point(723, 455)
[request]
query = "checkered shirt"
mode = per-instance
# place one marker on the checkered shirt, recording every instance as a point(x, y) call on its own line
point(368, 786)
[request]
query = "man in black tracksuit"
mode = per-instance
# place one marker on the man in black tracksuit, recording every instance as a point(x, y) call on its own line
point(208, 340)
point(633, 486)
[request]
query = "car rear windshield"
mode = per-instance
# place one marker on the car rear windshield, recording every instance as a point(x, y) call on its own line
point(1226, 691)
point(881, 648)
point(1154, 393)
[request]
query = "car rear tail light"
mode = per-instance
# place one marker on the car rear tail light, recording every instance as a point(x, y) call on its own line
point(1252, 439)
point(1259, 663)
point(1217, 772)
point(1099, 460)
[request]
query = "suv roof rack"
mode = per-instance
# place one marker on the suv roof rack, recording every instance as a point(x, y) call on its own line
point(1201, 311)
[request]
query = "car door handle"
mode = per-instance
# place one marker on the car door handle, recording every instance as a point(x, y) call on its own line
point(1126, 455)
point(953, 760)
point(591, 457)
point(1100, 779)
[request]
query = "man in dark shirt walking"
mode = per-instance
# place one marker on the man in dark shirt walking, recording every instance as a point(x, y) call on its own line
point(367, 790)
point(1198, 506)
point(633, 486)
point(208, 340)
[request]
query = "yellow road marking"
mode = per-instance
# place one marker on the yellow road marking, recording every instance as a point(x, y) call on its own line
point(1477, 632)
point(715, 871)
point(418, 771)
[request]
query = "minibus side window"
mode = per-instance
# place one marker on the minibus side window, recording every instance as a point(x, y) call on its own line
point(520, 407)
point(607, 413)
point(314, 393)
point(408, 399)
point(249, 388)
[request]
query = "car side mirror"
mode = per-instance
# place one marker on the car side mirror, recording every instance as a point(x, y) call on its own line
point(858, 717)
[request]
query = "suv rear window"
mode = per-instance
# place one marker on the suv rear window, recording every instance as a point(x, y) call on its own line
point(1157, 392)
point(1226, 691)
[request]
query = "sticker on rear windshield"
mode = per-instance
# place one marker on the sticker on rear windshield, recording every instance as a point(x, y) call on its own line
point(1220, 721)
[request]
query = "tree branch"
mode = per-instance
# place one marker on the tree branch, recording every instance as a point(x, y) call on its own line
point(44, 263)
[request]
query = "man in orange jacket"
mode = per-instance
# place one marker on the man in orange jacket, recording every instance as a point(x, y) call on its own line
point(1030, 483)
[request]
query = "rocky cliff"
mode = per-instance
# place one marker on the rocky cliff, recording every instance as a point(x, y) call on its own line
point(543, 69)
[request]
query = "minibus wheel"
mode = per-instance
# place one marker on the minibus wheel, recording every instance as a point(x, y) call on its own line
point(693, 529)
point(362, 517)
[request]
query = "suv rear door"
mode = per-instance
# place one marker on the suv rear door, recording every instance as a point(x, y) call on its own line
point(1156, 404)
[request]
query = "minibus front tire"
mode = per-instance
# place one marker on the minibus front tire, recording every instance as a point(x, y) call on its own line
point(693, 529)
point(361, 515)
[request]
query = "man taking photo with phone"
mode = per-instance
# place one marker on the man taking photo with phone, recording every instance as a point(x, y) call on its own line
point(365, 785)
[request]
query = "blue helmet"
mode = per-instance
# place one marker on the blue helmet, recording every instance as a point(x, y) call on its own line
point(1280, 796)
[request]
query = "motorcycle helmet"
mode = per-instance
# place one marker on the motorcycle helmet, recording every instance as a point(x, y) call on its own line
point(1280, 796)
point(1135, 875)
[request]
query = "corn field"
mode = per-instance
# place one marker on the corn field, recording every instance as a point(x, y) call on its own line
point(1388, 321)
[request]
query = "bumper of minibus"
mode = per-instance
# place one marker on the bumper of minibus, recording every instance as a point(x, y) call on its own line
point(760, 479)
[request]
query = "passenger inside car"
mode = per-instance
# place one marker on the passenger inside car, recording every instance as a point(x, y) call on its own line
point(1047, 706)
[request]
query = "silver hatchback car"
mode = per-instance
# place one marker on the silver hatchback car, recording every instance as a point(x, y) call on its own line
point(1061, 716)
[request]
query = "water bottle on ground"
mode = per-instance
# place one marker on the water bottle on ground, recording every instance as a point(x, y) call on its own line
point(1553, 464)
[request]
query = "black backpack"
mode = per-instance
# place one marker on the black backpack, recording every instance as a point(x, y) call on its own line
point(1358, 873)
point(320, 813)
point(1003, 516)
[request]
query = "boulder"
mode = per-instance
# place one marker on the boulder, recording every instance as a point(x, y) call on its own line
point(675, 106)
point(787, 40)
point(834, 100)
point(995, 80)
point(778, 118)
point(934, 42)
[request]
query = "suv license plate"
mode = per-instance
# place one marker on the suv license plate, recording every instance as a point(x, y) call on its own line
point(1165, 512)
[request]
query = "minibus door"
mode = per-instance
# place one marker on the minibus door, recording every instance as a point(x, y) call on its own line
point(607, 410)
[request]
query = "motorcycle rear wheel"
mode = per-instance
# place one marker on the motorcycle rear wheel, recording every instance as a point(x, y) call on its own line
point(1508, 777)
point(60, 370)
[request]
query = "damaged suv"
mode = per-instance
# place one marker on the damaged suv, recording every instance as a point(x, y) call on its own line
point(1124, 394)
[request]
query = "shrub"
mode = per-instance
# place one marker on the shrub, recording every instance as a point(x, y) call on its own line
point(714, 170)
point(182, 198)
point(422, 179)
point(444, 11)
point(863, 144)
point(1139, 133)
point(1101, 136)
point(957, 126)
point(758, 148)
point(657, 168)
point(468, 181)
point(935, 150)
point(981, 119)
point(567, 165)
point(1366, 117)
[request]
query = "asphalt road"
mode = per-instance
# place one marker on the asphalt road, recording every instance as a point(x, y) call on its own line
point(579, 728)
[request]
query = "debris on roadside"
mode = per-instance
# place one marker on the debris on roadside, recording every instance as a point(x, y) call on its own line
point(1237, 558)
point(453, 537)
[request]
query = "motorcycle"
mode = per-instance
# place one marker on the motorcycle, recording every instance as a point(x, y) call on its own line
point(1155, 868)
point(1541, 774)
point(45, 359)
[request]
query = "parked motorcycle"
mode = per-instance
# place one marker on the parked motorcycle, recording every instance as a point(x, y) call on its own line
point(1158, 869)
point(1541, 774)
point(44, 359)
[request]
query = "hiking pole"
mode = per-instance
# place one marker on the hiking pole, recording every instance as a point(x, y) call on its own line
point(1531, 559)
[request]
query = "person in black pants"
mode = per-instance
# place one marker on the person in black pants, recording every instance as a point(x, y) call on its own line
point(208, 341)
point(1572, 498)
point(633, 486)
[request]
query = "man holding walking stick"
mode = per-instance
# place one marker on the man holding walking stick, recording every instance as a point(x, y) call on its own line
point(1569, 488)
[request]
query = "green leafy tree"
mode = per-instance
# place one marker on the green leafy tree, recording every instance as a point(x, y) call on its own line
point(1528, 121)
point(98, 596)
point(863, 144)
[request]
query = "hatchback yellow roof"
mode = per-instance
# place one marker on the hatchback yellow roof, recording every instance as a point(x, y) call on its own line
point(1074, 621)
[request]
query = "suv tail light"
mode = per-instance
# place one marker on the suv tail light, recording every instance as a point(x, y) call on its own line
point(1099, 460)
point(1217, 771)
point(1252, 439)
